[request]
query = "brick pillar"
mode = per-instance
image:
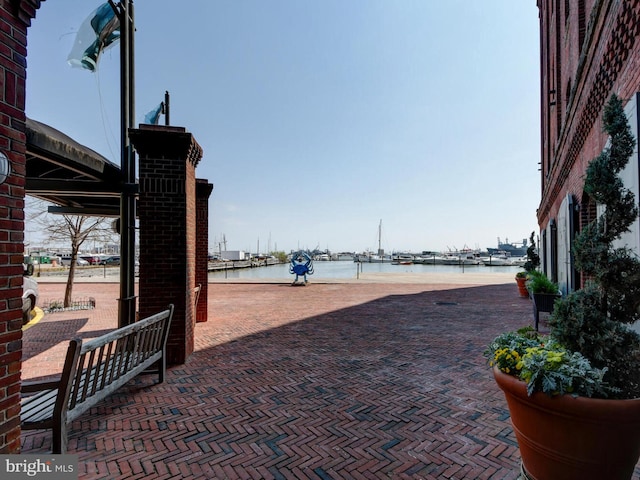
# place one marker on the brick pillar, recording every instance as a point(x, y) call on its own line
point(15, 18)
point(203, 192)
point(167, 212)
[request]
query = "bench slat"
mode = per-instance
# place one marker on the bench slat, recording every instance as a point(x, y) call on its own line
point(38, 407)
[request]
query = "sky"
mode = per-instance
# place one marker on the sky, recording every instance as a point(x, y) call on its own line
point(321, 121)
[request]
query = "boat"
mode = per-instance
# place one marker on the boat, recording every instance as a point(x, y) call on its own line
point(512, 249)
point(498, 260)
point(402, 259)
point(450, 259)
point(465, 256)
point(432, 258)
point(370, 257)
point(468, 256)
point(520, 261)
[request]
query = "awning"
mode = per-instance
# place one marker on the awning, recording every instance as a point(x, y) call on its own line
point(74, 177)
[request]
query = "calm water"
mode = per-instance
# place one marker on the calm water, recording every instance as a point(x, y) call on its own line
point(347, 269)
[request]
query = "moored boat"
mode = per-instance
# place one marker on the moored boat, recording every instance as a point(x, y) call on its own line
point(402, 259)
point(499, 260)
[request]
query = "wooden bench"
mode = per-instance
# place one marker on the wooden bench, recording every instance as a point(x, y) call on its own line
point(92, 371)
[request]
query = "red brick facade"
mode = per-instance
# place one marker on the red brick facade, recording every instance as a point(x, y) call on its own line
point(589, 50)
point(203, 192)
point(15, 17)
point(168, 224)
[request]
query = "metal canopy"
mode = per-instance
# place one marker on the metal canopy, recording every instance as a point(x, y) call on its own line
point(68, 174)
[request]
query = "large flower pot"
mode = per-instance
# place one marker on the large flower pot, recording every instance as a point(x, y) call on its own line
point(522, 286)
point(568, 437)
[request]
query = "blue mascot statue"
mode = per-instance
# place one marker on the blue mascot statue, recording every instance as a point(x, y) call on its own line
point(301, 266)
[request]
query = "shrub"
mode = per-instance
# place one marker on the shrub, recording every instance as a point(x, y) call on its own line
point(539, 283)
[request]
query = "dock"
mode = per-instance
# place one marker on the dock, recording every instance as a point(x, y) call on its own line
point(215, 266)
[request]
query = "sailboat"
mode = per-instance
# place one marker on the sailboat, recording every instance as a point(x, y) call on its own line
point(370, 257)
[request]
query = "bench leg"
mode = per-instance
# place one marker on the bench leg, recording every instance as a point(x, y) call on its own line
point(59, 440)
point(162, 367)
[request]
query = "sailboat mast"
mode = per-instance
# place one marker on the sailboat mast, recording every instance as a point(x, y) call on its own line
point(380, 238)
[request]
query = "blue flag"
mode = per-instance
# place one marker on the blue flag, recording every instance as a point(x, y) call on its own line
point(98, 32)
point(153, 116)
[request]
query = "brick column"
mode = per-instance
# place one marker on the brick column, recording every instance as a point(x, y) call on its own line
point(203, 192)
point(15, 18)
point(167, 212)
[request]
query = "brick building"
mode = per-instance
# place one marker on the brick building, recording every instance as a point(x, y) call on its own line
point(589, 49)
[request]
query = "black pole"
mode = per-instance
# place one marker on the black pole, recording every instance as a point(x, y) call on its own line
point(166, 107)
point(127, 301)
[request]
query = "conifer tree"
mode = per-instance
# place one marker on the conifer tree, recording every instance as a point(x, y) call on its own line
point(593, 320)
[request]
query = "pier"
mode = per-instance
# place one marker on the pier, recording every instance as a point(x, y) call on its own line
point(215, 266)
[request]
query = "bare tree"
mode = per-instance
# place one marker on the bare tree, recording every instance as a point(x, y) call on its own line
point(73, 230)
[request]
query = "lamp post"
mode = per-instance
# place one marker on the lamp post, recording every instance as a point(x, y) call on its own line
point(127, 300)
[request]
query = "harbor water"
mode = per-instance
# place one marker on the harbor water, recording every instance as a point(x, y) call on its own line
point(347, 269)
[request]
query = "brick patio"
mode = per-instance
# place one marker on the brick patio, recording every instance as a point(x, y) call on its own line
point(329, 381)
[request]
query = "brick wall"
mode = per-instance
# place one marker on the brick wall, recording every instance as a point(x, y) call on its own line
point(167, 212)
point(15, 17)
point(14, 20)
point(203, 192)
point(608, 61)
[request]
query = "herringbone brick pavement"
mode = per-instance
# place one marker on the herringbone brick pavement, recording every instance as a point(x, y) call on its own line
point(330, 381)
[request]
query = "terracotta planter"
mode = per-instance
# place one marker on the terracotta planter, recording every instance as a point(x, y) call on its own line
point(569, 437)
point(522, 286)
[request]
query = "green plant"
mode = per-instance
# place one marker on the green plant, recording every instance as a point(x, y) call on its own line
point(55, 305)
point(537, 282)
point(522, 274)
point(593, 320)
point(545, 365)
point(533, 259)
point(280, 256)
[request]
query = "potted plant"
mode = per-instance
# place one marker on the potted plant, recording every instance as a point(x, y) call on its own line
point(521, 280)
point(574, 395)
point(544, 293)
point(539, 283)
point(531, 265)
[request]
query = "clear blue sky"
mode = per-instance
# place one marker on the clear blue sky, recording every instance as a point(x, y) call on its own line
point(318, 119)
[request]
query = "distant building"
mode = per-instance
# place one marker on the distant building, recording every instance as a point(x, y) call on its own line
point(233, 255)
point(589, 49)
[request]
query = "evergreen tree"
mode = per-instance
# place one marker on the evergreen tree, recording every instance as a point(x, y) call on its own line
point(593, 320)
point(533, 259)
